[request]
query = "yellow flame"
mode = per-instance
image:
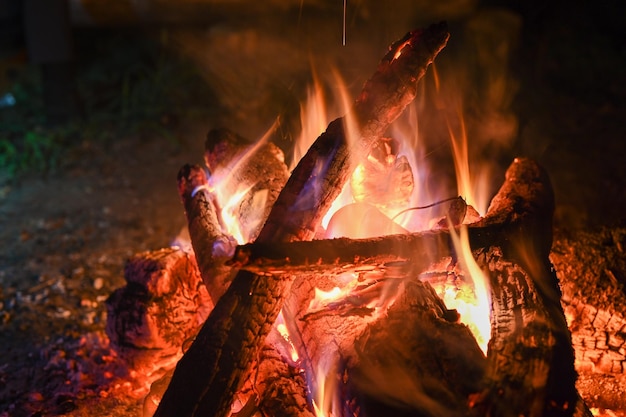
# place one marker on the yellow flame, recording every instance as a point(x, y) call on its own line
point(313, 120)
point(475, 311)
point(325, 401)
point(322, 298)
point(229, 192)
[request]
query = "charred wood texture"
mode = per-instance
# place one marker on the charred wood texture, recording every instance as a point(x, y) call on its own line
point(163, 304)
point(592, 270)
point(240, 165)
point(212, 370)
point(320, 175)
point(399, 373)
point(210, 244)
point(530, 360)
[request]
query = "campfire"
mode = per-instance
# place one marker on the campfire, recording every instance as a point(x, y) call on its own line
point(288, 305)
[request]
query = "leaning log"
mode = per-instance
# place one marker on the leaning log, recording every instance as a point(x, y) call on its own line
point(528, 319)
point(211, 245)
point(321, 174)
point(202, 384)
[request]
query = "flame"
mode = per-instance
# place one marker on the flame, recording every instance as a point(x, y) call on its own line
point(230, 192)
point(313, 120)
point(473, 188)
point(325, 402)
point(284, 332)
point(475, 310)
point(322, 298)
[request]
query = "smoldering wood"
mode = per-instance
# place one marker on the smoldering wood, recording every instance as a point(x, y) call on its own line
point(520, 211)
point(516, 224)
point(346, 336)
point(241, 165)
point(211, 245)
point(321, 174)
point(163, 304)
point(591, 267)
point(276, 387)
point(398, 372)
point(383, 98)
point(212, 370)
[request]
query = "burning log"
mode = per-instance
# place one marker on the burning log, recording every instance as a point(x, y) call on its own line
point(212, 370)
point(329, 162)
point(211, 245)
point(514, 241)
point(162, 305)
point(259, 170)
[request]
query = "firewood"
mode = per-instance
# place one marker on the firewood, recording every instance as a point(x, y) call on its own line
point(211, 371)
point(384, 178)
point(162, 305)
point(258, 169)
point(320, 175)
point(525, 290)
point(210, 244)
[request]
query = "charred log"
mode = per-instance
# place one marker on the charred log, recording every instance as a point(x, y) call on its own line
point(258, 169)
point(163, 304)
point(212, 370)
point(329, 162)
point(232, 336)
point(210, 244)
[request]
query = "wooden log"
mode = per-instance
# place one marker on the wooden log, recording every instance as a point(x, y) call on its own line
point(218, 361)
point(258, 169)
point(320, 175)
point(163, 304)
point(399, 373)
point(520, 211)
point(211, 371)
point(210, 244)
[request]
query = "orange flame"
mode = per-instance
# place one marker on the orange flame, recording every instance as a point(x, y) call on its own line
point(475, 311)
point(325, 396)
point(229, 192)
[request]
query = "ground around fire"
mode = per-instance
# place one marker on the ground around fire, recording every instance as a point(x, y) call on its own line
point(65, 236)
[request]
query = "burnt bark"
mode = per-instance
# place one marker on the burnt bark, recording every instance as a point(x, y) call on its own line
point(320, 175)
point(210, 244)
point(212, 370)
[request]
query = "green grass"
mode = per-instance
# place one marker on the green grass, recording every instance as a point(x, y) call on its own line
point(127, 83)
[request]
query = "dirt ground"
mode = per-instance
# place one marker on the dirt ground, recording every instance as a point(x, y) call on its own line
point(65, 237)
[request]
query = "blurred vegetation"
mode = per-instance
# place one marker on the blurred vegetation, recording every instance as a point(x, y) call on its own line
point(127, 83)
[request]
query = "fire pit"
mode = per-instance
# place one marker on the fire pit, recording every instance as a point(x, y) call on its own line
point(303, 325)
